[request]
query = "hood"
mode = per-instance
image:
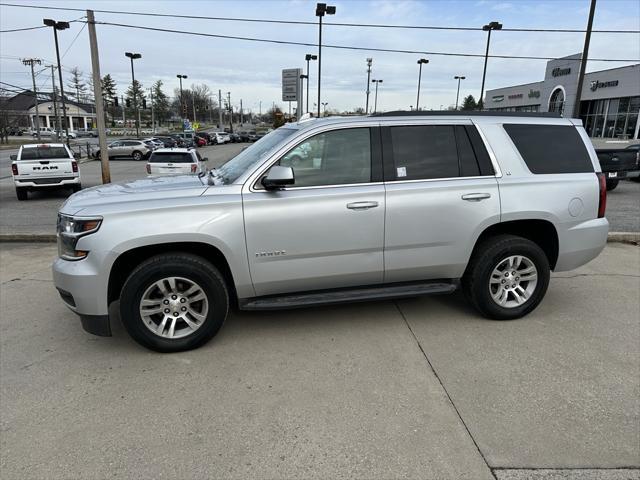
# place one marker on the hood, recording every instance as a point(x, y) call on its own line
point(147, 189)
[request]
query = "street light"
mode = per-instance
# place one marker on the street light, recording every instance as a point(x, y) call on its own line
point(487, 28)
point(324, 106)
point(321, 10)
point(59, 26)
point(308, 57)
point(182, 106)
point(458, 94)
point(375, 102)
point(302, 77)
point(369, 62)
point(420, 62)
point(134, 56)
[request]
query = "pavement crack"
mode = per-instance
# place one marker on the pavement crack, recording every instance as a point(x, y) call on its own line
point(28, 279)
point(426, 357)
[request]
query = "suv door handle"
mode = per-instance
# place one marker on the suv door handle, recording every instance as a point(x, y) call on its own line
point(362, 205)
point(475, 197)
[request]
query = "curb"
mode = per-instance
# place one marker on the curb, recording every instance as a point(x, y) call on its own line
point(632, 238)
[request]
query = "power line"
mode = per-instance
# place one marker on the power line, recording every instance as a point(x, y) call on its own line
point(74, 40)
point(300, 22)
point(345, 47)
point(22, 29)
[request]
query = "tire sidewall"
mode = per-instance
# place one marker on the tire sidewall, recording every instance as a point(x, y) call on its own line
point(137, 156)
point(485, 269)
point(135, 286)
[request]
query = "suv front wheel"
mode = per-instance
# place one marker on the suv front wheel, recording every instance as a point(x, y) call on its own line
point(174, 302)
point(507, 277)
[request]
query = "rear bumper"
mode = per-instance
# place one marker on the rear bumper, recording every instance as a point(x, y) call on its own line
point(45, 182)
point(581, 243)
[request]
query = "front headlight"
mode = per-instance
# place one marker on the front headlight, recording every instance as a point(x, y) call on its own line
point(70, 230)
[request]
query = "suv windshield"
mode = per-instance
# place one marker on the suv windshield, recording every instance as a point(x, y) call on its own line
point(43, 152)
point(230, 171)
point(170, 157)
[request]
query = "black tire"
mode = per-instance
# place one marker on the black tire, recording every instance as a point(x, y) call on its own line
point(612, 184)
point(190, 267)
point(487, 255)
point(137, 156)
point(76, 188)
point(22, 193)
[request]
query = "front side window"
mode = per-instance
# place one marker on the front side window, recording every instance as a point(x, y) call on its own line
point(338, 157)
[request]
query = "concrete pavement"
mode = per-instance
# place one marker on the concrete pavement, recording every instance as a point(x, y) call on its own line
point(420, 388)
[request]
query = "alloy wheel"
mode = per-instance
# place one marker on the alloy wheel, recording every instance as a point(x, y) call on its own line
point(513, 281)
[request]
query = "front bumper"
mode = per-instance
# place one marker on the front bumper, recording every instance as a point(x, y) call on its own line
point(83, 290)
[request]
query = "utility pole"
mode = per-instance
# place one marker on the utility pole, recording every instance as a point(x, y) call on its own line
point(193, 105)
point(97, 92)
point(31, 62)
point(369, 62)
point(56, 120)
point(241, 118)
point(219, 108)
point(583, 60)
point(230, 112)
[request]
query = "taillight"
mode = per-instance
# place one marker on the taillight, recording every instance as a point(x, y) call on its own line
point(602, 184)
point(74, 166)
point(14, 169)
point(148, 169)
point(194, 168)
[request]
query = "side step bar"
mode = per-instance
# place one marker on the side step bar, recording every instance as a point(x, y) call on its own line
point(361, 294)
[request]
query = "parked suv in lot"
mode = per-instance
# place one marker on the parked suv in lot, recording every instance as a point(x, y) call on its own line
point(134, 149)
point(384, 206)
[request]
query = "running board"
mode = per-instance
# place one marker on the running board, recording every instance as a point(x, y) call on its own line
point(362, 294)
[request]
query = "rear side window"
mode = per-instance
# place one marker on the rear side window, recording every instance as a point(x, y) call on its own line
point(424, 152)
point(550, 148)
point(171, 157)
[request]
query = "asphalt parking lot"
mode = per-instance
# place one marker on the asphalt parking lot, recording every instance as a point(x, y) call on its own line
point(418, 388)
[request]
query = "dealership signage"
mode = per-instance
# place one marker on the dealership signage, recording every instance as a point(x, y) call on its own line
point(596, 84)
point(515, 96)
point(497, 98)
point(559, 72)
point(290, 84)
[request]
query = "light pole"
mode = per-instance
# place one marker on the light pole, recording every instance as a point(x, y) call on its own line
point(59, 26)
point(324, 107)
point(31, 62)
point(302, 77)
point(183, 108)
point(321, 10)
point(132, 57)
point(458, 93)
point(487, 28)
point(375, 102)
point(308, 57)
point(366, 106)
point(420, 63)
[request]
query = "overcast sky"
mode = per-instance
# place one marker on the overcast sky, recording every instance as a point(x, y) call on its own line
point(252, 71)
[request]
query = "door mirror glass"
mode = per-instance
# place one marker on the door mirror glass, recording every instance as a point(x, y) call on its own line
point(278, 177)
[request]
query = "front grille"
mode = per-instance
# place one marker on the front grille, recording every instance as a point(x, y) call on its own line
point(49, 180)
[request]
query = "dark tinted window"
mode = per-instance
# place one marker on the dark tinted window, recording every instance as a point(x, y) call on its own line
point(43, 153)
point(171, 157)
point(550, 148)
point(467, 159)
point(131, 143)
point(482, 156)
point(423, 152)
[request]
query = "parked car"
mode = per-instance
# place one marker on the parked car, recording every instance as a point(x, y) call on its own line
point(187, 138)
point(44, 132)
point(86, 132)
point(135, 149)
point(15, 131)
point(393, 205)
point(253, 136)
point(206, 136)
point(220, 138)
point(153, 143)
point(179, 140)
point(175, 161)
point(617, 164)
point(200, 141)
point(44, 166)
point(635, 174)
point(168, 142)
point(243, 136)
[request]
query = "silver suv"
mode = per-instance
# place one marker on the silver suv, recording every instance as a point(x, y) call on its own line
point(385, 206)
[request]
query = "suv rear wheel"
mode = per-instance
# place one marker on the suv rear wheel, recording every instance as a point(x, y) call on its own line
point(137, 156)
point(507, 277)
point(174, 302)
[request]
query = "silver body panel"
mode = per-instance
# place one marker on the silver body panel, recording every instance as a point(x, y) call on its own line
point(299, 239)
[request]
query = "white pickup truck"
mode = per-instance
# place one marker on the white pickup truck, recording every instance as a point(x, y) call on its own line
point(46, 165)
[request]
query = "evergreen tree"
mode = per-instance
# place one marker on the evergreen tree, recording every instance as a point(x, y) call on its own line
point(469, 103)
point(108, 89)
point(160, 102)
point(139, 94)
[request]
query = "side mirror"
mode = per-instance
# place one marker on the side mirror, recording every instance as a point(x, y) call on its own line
point(13, 157)
point(278, 177)
point(76, 156)
point(205, 159)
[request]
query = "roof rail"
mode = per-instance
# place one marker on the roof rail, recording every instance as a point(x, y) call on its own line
point(464, 113)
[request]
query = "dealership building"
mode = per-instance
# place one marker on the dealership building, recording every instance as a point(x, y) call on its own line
point(610, 99)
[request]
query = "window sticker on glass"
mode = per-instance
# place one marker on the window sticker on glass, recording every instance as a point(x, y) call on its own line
point(401, 172)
